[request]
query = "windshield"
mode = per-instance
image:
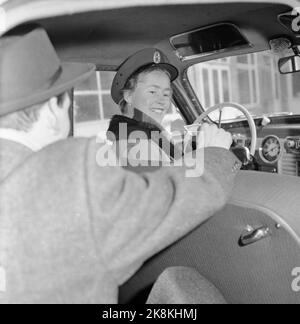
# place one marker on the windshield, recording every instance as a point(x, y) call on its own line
point(251, 80)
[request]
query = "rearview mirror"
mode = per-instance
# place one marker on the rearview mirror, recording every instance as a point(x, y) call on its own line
point(289, 64)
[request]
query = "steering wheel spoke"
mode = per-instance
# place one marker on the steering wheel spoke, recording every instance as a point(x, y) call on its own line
point(220, 117)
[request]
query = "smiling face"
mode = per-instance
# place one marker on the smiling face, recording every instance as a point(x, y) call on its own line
point(152, 94)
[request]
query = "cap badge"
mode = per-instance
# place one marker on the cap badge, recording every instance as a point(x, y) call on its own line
point(157, 57)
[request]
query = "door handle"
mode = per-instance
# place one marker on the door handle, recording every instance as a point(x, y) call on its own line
point(254, 235)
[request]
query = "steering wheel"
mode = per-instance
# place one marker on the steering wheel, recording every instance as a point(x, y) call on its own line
point(199, 120)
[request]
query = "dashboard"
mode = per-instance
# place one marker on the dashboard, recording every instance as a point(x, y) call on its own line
point(278, 143)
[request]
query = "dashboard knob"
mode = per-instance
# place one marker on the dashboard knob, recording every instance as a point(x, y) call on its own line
point(265, 121)
point(292, 145)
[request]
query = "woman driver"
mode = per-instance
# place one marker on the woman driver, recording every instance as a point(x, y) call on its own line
point(142, 89)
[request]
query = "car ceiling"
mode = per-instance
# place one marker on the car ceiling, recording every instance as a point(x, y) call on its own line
point(108, 37)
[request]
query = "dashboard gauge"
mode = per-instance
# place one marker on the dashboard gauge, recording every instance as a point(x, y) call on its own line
point(270, 150)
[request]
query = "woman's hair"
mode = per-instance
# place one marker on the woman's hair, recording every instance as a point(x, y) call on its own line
point(133, 81)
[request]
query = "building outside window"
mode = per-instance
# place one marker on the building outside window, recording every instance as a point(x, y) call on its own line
point(211, 81)
point(93, 105)
point(247, 85)
point(252, 80)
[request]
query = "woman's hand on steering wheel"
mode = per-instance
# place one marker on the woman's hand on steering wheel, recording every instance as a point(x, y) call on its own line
point(212, 136)
point(198, 123)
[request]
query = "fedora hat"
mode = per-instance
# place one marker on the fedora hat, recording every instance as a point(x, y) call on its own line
point(143, 58)
point(31, 72)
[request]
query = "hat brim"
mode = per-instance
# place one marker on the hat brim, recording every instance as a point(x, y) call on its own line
point(71, 75)
point(171, 69)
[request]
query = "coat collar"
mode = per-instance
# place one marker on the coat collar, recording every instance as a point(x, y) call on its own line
point(114, 133)
point(132, 125)
point(12, 154)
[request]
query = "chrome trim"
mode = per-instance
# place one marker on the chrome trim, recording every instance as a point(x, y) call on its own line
point(254, 236)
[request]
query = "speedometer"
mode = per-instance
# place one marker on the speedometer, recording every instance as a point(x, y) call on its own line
point(270, 150)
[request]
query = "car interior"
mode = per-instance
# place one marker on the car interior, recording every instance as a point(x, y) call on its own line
point(238, 62)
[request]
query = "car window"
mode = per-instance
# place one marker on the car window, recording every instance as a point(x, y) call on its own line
point(251, 80)
point(94, 107)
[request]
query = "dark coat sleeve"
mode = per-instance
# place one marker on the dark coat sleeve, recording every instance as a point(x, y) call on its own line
point(134, 216)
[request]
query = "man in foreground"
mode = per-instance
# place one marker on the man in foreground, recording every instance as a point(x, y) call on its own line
point(71, 231)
